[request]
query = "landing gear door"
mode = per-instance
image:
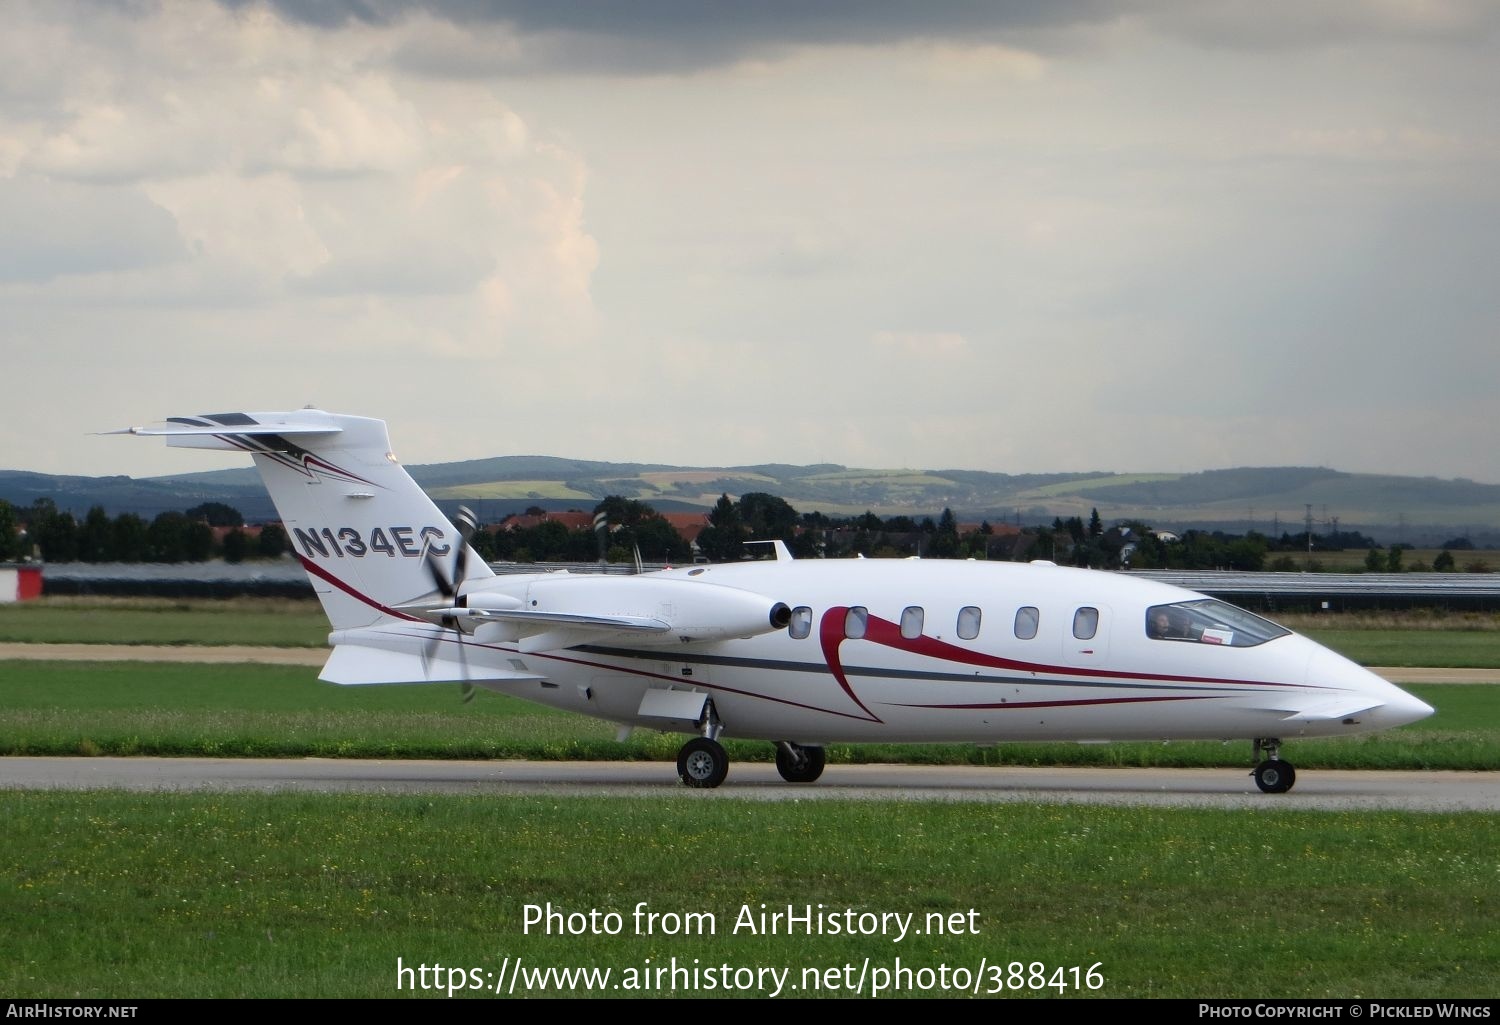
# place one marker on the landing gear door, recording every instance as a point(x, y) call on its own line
point(1086, 636)
point(675, 699)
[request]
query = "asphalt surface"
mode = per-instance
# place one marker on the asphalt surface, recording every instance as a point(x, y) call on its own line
point(1316, 790)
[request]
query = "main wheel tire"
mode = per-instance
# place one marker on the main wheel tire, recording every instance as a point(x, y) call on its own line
point(1275, 777)
point(808, 771)
point(702, 763)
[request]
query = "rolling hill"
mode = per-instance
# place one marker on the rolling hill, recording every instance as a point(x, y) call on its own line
point(1422, 510)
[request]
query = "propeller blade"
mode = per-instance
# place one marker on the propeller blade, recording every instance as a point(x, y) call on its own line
point(450, 587)
point(466, 523)
point(440, 580)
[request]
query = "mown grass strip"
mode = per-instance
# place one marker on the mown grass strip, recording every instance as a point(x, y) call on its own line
point(274, 622)
point(174, 709)
point(1444, 649)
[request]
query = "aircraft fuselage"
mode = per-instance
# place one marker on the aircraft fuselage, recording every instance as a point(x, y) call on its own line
point(931, 682)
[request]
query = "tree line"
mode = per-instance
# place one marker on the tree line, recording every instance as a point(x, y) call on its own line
point(42, 530)
point(632, 526)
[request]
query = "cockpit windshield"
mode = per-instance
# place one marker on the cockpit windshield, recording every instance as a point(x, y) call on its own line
point(1208, 621)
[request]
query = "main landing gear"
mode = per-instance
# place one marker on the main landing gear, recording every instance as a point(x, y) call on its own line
point(1272, 775)
point(702, 762)
point(798, 764)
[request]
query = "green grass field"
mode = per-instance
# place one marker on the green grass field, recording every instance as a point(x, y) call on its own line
point(292, 895)
point(295, 895)
point(272, 622)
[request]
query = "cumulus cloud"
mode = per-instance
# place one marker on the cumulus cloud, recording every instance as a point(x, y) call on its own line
point(280, 162)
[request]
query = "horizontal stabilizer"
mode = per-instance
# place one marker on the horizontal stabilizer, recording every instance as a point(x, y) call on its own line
point(354, 664)
point(305, 422)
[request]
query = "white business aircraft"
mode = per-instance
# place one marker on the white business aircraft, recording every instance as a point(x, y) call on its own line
point(799, 652)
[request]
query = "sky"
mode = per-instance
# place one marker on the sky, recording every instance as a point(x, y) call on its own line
point(1045, 235)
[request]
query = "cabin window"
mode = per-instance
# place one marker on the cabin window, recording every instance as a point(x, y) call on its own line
point(911, 622)
point(1209, 621)
point(801, 624)
point(1027, 619)
point(1085, 623)
point(854, 622)
point(968, 622)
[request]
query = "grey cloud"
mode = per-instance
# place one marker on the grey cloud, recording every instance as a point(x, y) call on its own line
point(52, 229)
point(653, 36)
point(1231, 24)
point(684, 35)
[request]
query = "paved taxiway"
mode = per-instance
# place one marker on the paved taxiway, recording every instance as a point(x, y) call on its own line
point(1319, 790)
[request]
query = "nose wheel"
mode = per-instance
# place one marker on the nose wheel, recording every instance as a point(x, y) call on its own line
point(1272, 775)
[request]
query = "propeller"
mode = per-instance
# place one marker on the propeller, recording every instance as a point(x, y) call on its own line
point(450, 586)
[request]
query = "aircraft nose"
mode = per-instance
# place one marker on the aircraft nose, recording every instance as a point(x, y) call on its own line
point(1391, 706)
point(1402, 708)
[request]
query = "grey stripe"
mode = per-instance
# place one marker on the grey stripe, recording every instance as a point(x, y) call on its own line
point(871, 672)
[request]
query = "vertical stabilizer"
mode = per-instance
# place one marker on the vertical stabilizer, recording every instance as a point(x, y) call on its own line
point(369, 537)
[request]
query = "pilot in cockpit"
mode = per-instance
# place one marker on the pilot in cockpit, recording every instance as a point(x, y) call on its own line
point(1158, 625)
point(1170, 625)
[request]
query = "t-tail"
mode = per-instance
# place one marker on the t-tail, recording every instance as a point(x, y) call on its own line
point(374, 545)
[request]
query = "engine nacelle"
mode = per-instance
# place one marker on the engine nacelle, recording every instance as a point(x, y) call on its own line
point(693, 610)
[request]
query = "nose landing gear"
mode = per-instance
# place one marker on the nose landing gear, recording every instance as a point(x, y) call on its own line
point(1272, 775)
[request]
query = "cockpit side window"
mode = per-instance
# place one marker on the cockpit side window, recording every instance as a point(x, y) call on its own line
point(1209, 621)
